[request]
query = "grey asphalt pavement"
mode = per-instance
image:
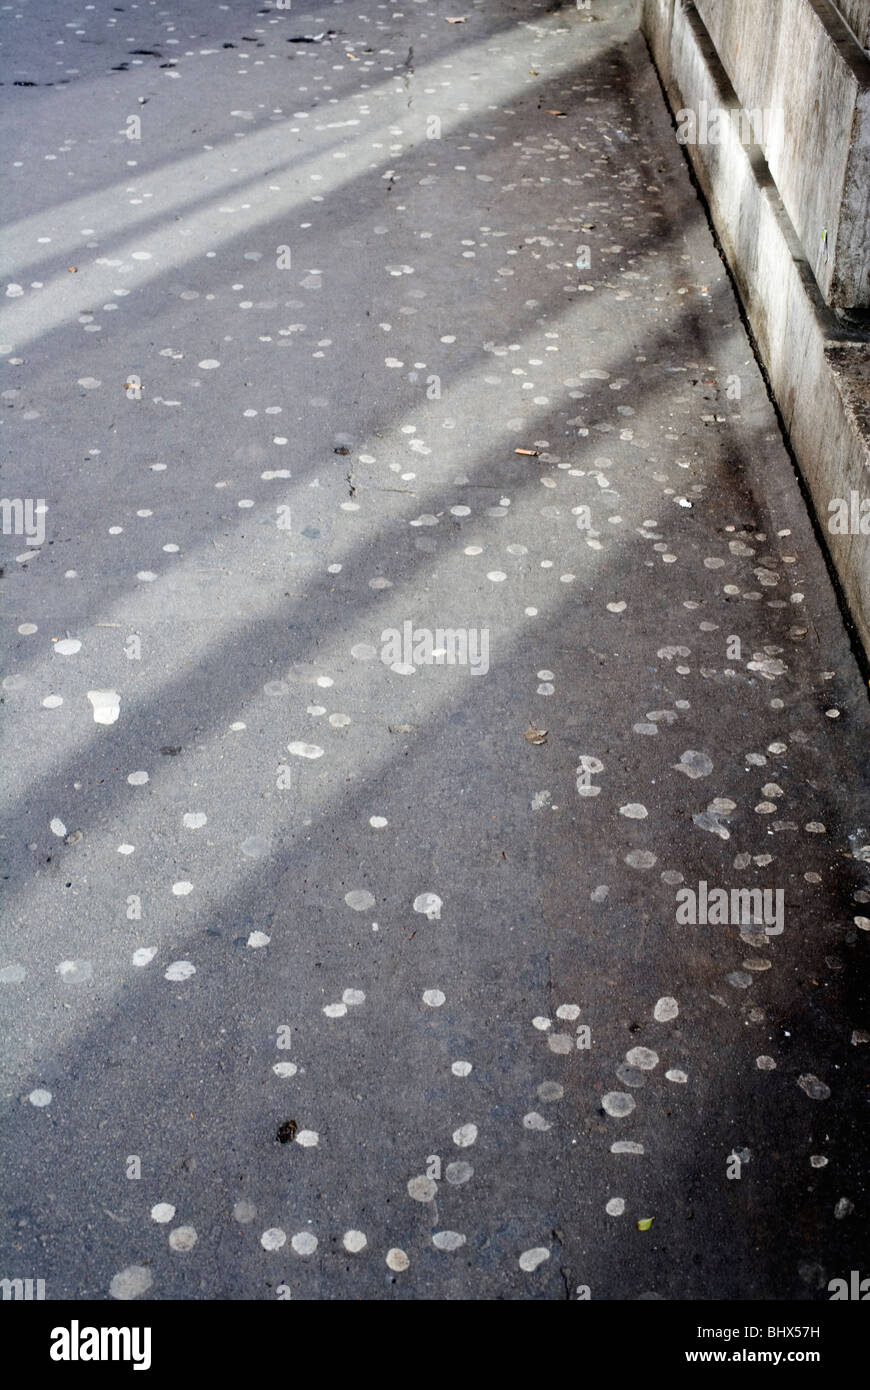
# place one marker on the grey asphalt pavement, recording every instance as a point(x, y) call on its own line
point(412, 620)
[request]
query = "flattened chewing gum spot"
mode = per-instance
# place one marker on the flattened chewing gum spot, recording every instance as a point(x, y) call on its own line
point(106, 705)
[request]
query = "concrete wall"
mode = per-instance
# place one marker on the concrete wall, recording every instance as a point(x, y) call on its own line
point(857, 14)
point(818, 365)
point(797, 63)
